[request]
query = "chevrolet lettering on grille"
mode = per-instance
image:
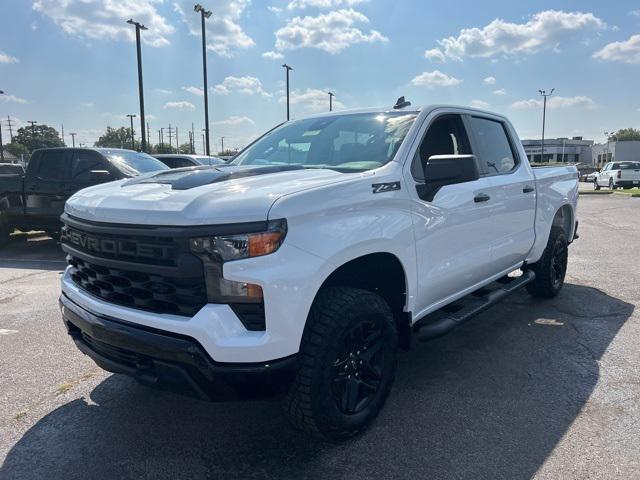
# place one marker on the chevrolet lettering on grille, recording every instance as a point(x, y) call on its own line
point(120, 247)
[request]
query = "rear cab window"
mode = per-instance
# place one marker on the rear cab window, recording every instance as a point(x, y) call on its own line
point(493, 147)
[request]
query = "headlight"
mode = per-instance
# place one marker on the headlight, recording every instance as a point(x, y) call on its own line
point(215, 250)
point(235, 247)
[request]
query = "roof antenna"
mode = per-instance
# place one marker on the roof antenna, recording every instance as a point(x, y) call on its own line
point(401, 103)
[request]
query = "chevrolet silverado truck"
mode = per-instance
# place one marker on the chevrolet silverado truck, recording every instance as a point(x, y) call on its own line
point(34, 200)
point(327, 245)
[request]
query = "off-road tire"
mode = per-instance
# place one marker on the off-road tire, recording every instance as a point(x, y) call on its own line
point(549, 280)
point(311, 403)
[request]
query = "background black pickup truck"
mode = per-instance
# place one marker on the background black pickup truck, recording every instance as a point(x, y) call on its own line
point(35, 200)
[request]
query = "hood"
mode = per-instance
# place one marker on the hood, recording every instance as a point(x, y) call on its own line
point(197, 196)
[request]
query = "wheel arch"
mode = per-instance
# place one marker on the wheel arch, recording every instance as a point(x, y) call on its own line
point(382, 273)
point(564, 218)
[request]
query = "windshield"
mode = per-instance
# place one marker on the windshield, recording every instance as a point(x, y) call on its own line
point(133, 163)
point(347, 143)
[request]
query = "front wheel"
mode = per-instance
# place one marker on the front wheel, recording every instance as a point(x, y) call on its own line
point(347, 364)
point(611, 184)
point(595, 185)
point(4, 233)
point(550, 270)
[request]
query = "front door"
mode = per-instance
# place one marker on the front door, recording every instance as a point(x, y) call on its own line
point(454, 229)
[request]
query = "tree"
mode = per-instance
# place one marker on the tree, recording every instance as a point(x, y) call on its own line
point(16, 149)
point(38, 136)
point(625, 135)
point(164, 148)
point(227, 153)
point(185, 148)
point(116, 138)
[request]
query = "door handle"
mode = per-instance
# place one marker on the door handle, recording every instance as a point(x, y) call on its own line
point(528, 189)
point(481, 197)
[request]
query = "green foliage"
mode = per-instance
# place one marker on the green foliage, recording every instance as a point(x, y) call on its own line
point(164, 148)
point(38, 136)
point(625, 135)
point(16, 149)
point(185, 148)
point(227, 153)
point(117, 138)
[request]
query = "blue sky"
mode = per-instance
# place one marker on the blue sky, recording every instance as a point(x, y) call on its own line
point(73, 61)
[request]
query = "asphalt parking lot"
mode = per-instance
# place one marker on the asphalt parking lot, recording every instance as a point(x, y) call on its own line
point(544, 389)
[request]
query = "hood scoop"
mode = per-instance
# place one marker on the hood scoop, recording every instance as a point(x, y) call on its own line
point(186, 178)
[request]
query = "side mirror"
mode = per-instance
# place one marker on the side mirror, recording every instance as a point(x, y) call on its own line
point(99, 174)
point(441, 170)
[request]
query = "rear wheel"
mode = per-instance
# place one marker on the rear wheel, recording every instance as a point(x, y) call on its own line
point(550, 270)
point(347, 364)
point(611, 184)
point(4, 233)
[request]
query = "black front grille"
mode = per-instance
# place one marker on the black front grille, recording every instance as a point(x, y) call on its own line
point(137, 289)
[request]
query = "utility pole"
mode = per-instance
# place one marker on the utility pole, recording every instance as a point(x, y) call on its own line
point(139, 27)
point(10, 130)
point(288, 69)
point(203, 143)
point(170, 137)
point(33, 127)
point(159, 142)
point(204, 14)
point(62, 133)
point(133, 138)
point(148, 133)
point(544, 116)
point(222, 141)
point(161, 139)
point(177, 142)
point(193, 139)
point(1, 146)
point(331, 95)
point(73, 138)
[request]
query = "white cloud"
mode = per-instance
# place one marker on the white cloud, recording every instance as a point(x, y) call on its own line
point(194, 90)
point(224, 34)
point(545, 29)
point(12, 99)
point(435, 79)
point(181, 105)
point(247, 85)
point(293, 4)
point(162, 91)
point(634, 13)
point(480, 104)
point(86, 104)
point(489, 81)
point(234, 121)
point(273, 55)
point(627, 51)
point(500, 91)
point(554, 102)
point(312, 100)
point(274, 9)
point(105, 19)
point(435, 55)
point(5, 58)
point(331, 32)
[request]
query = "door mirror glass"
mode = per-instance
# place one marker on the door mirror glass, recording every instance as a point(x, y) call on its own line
point(441, 170)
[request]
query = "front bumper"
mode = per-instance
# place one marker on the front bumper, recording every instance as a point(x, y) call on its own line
point(170, 361)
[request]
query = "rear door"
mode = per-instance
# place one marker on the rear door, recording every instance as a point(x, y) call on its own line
point(512, 190)
point(45, 187)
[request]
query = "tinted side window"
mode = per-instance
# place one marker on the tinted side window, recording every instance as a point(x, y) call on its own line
point(54, 165)
point(445, 136)
point(84, 162)
point(494, 151)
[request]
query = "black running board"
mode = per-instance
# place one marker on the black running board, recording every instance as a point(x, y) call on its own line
point(444, 325)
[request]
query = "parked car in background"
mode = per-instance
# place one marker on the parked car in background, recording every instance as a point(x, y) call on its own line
point(304, 264)
point(591, 176)
point(11, 168)
point(34, 200)
point(179, 160)
point(618, 175)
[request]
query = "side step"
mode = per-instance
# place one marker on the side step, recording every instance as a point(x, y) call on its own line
point(445, 324)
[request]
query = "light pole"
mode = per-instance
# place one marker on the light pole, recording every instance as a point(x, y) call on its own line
point(544, 115)
point(1, 146)
point(139, 27)
point(133, 138)
point(73, 139)
point(288, 69)
point(204, 14)
point(203, 143)
point(331, 95)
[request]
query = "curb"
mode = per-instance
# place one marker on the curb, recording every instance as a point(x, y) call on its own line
point(596, 192)
point(625, 194)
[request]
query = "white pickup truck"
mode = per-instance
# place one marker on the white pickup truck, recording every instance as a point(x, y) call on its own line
point(325, 245)
point(618, 175)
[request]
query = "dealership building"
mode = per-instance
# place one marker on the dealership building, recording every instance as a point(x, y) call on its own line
point(616, 151)
point(567, 150)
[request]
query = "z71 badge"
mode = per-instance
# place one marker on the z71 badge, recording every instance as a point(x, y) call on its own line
point(385, 187)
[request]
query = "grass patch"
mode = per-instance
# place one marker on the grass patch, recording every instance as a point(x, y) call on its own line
point(64, 388)
point(20, 414)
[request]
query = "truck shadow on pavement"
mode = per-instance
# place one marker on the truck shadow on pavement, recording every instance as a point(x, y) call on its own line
point(32, 252)
point(490, 400)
